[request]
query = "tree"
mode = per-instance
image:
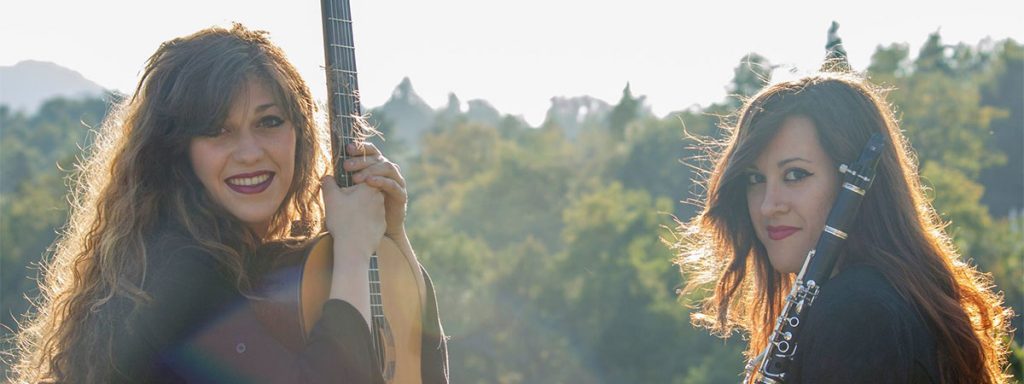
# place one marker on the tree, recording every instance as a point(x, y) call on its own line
point(628, 109)
point(1003, 88)
point(752, 74)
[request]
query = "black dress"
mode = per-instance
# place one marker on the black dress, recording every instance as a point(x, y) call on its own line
point(200, 329)
point(861, 331)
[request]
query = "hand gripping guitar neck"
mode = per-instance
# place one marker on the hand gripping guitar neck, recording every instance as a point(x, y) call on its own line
point(772, 365)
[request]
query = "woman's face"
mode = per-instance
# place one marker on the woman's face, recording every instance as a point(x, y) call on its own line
point(791, 187)
point(248, 166)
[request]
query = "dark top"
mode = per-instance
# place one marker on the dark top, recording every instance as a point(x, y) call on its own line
point(860, 330)
point(200, 329)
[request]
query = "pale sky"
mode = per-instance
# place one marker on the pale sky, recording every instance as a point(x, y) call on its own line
point(516, 54)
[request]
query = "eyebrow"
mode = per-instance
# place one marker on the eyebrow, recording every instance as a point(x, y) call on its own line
point(264, 107)
point(780, 164)
point(790, 160)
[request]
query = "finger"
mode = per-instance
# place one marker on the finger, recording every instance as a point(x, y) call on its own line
point(384, 169)
point(362, 148)
point(373, 195)
point(391, 189)
point(358, 163)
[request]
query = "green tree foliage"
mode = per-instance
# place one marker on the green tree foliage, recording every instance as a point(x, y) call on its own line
point(1003, 88)
point(30, 145)
point(753, 72)
point(946, 101)
point(36, 155)
point(890, 62)
point(628, 109)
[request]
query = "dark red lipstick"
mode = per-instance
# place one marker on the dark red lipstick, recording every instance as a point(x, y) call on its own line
point(250, 183)
point(781, 232)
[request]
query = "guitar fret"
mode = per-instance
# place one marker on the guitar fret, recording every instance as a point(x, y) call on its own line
point(342, 46)
point(337, 19)
point(343, 71)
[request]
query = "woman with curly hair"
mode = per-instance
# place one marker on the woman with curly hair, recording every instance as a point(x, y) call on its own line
point(901, 305)
point(213, 158)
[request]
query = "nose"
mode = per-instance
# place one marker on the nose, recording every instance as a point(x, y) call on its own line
point(248, 149)
point(776, 200)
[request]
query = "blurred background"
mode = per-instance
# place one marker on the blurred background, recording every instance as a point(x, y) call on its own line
point(544, 148)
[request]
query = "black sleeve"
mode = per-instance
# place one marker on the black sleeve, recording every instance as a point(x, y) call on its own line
point(434, 355)
point(198, 329)
point(859, 335)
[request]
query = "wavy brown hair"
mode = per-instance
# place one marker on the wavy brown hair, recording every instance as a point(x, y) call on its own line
point(897, 231)
point(137, 178)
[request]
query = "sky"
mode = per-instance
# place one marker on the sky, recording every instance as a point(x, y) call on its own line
point(516, 54)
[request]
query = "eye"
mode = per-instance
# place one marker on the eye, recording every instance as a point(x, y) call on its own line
point(270, 121)
point(215, 132)
point(754, 178)
point(795, 174)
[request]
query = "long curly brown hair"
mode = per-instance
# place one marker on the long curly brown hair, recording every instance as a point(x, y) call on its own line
point(137, 177)
point(897, 230)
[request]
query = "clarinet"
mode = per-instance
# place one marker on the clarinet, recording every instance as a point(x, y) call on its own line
point(771, 366)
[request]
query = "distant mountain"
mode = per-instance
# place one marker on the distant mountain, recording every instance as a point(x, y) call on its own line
point(405, 116)
point(480, 111)
point(27, 84)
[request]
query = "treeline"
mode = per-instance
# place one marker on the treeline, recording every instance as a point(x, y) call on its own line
point(546, 243)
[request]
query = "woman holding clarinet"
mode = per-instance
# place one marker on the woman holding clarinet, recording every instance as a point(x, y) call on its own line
point(820, 244)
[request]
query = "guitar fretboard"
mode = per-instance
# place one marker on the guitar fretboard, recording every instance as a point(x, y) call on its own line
point(343, 111)
point(376, 305)
point(342, 81)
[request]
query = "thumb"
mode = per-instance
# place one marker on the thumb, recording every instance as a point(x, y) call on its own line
point(327, 180)
point(327, 185)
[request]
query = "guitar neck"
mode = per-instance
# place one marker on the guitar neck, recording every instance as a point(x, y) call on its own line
point(342, 82)
point(343, 113)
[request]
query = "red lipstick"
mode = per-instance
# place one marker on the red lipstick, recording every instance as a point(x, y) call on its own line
point(781, 232)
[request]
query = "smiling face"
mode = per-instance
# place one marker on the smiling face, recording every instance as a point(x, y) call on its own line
point(791, 187)
point(248, 164)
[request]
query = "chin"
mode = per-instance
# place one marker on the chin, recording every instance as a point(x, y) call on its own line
point(254, 220)
point(788, 266)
